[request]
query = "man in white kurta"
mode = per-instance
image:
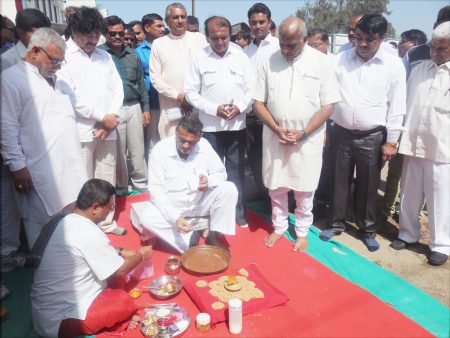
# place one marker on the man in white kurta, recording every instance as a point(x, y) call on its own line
point(426, 146)
point(219, 85)
point(187, 180)
point(39, 138)
point(95, 88)
point(294, 94)
point(169, 61)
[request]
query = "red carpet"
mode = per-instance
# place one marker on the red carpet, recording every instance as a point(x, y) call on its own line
point(322, 304)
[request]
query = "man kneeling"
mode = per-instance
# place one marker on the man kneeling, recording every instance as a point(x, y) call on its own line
point(72, 292)
point(187, 180)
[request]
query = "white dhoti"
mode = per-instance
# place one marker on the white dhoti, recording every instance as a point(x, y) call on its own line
point(218, 203)
point(425, 179)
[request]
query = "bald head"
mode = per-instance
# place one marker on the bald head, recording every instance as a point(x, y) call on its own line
point(293, 35)
point(293, 26)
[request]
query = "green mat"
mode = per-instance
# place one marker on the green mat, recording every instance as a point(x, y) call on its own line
point(402, 295)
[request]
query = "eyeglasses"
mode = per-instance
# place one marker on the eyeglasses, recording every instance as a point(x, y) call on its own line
point(114, 33)
point(52, 59)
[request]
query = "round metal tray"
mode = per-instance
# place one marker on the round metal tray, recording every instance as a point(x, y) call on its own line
point(205, 259)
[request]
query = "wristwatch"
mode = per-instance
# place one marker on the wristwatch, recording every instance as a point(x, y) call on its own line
point(304, 136)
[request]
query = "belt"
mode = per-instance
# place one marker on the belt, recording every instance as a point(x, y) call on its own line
point(361, 132)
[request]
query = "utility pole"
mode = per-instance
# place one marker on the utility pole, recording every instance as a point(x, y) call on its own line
point(193, 7)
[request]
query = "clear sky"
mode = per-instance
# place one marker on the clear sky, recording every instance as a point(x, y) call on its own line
point(406, 14)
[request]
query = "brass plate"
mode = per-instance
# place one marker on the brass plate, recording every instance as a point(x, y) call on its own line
point(205, 259)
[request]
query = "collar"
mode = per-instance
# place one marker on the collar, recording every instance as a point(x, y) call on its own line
point(145, 44)
point(379, 55)
point(172, 149)
point(125, 50)
point(33, 69)
point(210, 52)
point(73, 48)
point(178, 37)
point(444, 65)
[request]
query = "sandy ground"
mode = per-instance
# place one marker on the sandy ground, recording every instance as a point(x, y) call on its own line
point(410, 264)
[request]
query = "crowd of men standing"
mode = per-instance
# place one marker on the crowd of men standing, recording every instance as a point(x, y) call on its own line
point(73, 109)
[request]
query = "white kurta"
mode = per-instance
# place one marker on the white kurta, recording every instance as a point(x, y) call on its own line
point(38, 131)
point(93, 85)
point(293, 92)
point(73, 271)
point(169, 62)
point(173, 184)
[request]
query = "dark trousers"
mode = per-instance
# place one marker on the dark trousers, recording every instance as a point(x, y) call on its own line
point(230, 146)
point(254, 152)
point(324, 191)
point(363, 152)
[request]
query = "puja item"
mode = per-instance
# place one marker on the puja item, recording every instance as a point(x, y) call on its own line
point(202, 322)
point(165, 287)
point(135, 293)
point(174, 321)
point(235, 316)
point(205, 259)
point(173, 265)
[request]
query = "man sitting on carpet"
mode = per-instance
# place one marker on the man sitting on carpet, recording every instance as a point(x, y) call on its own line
point(72, 292)
point(187, 179)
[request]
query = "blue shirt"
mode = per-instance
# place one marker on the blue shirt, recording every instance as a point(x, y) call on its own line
point(143, 53)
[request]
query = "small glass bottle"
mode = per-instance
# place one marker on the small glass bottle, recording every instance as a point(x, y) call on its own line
point(203, 321)
point(235, 316)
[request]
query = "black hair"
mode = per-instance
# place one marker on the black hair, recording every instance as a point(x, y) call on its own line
point(191, 123)
point(443, 16)
point(192, 20)
point(149, 19)
point(242, 34)
point(221, 23)
point(259, 8)
point(136, 22)
point(129, 30)
point(373, 24)
point(111, 21)
point(31, 18)
point(323, 34)
point(273, 25)
point(95, 191)
point(414, 35)
point(86, 20)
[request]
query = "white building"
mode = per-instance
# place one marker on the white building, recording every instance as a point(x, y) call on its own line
point(54, 9)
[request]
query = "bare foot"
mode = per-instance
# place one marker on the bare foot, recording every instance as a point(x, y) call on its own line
point(134, 323)
point(301, 244)
point(272, 239)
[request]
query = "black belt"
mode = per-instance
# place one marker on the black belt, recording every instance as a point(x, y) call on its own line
point(361, 132)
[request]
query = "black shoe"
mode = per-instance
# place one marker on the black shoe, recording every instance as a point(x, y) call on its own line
point(399, 244)
point(437, 258)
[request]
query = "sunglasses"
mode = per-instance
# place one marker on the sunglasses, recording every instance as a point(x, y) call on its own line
point(114, 33)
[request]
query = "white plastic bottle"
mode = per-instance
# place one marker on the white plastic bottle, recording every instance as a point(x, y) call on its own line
point(235, 316)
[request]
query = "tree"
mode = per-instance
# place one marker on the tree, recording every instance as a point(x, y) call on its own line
point(333, 15)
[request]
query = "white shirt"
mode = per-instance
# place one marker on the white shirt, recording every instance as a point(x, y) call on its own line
point(427, 124)
point(73, 271)
point(259, 54)
point(38, 131)
point(13, 55)
point(169, 62)
point(93, 85)
point(373, 92)
point(385, 45)
point(213, 80)
point(173, 181)
point(293, 92)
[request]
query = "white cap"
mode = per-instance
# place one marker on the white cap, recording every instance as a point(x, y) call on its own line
point(203, 318)
point(235, 303)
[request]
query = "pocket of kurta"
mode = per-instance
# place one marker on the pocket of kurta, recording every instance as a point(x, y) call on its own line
point(209, 77)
